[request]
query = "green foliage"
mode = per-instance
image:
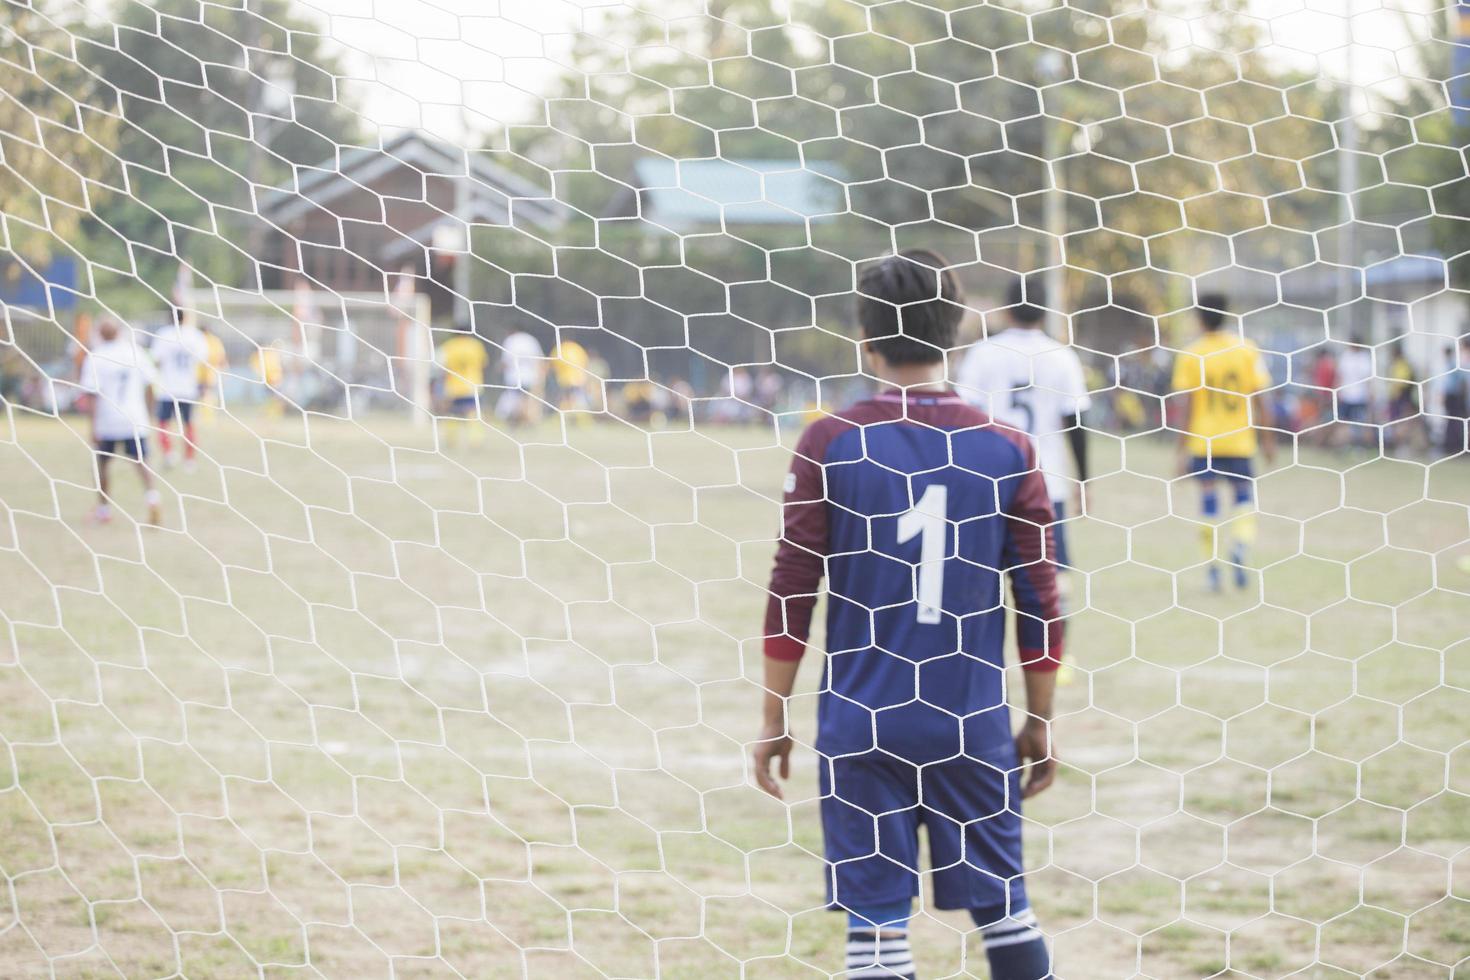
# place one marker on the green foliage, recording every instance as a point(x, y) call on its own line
point(953, 130)
point(216, 103)
point(952, 127)
point(56, 131)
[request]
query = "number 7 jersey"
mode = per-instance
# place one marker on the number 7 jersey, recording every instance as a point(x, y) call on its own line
point(913, 507)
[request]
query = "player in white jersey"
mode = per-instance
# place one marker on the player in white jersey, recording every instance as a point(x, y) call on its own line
point(523, 370)
point(1026, 379)
point(119, 376)
point(178, 349)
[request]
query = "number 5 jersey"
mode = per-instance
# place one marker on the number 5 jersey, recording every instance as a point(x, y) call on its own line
point(1030, 381)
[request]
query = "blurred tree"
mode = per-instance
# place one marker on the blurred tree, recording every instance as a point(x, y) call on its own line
point(217, 103)
point(1420, 158)
point(58, 126)
point(955, 125)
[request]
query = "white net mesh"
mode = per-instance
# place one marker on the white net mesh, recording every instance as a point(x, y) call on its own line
point(446, 655)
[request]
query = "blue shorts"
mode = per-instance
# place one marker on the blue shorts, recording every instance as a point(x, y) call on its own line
point(1236, 469)
point(168, 406)
point(134, 448)
point(873, 805)
point(463, 406)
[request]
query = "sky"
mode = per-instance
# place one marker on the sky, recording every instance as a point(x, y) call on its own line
point(451, 65)
point(458, 67)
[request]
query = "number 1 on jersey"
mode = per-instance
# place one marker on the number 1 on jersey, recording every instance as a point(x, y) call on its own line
point(927, 522)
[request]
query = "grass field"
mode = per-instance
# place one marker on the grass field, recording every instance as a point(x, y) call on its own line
point(364, 708)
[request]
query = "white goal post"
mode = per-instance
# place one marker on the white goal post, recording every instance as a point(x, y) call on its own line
point(348, 349)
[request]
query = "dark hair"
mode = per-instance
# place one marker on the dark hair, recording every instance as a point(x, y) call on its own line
point(909, 307)
point(1026, 299)
point(1212, 309)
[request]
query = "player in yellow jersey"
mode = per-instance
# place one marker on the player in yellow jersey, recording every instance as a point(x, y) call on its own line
point(216, 361)
point(266, 363)
point(1216, 379)
point(569, 367)
point(464, 360)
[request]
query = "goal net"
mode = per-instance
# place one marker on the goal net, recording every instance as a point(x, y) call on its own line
point(405, 405)
point(338, 352)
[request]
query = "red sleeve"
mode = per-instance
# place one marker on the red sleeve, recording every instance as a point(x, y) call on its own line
point(1028, 561)
point(802, 553)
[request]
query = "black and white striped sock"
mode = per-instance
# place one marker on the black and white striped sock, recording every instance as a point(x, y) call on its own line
point(1018, 928)
point(1016, 947)
point(879, 953)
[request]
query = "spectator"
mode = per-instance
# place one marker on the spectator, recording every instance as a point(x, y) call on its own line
point(1319, 401)
point(1354, 391)
point(1403, 397)
point(1403, 385)
point(767, 391)
point(736, 403)
point(1456, 399)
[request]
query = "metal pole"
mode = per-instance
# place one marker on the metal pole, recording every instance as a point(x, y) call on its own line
point(1054, 212)
point(422, 363)
point(1054, 215)
point(277, 83)
point(462, 260)
point(1347, 180)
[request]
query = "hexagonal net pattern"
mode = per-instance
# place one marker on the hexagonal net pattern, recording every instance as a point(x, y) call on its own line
point(403, 404)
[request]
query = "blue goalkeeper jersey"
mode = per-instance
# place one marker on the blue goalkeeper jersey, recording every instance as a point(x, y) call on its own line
point(913, 507)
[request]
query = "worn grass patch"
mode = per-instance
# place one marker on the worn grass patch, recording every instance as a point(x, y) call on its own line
point(369, 707)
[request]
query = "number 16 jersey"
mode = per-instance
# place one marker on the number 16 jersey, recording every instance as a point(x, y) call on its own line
point(1028, 380)
point(913, 506)
point(1220, 371)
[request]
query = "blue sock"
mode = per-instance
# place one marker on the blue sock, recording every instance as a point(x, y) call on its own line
point(1209, 502)
point(1013, 944)
point(1245, 532)
point(878, 942)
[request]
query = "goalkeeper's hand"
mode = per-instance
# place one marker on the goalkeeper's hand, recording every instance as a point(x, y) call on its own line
point(1037, 751)
point(774, 745)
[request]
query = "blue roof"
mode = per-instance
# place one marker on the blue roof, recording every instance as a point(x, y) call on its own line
point(680, 193)
point(52, 286)
point(1408, 268)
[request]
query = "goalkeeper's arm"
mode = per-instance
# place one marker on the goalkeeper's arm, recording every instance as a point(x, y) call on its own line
point(795, 580)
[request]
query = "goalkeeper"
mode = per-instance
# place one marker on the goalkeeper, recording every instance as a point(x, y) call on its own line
point(913, 504)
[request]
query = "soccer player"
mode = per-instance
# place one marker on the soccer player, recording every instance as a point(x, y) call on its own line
point(178, 350)
point(1032, 382)
point(266, 363)
point(913, 505)
point(119, 378)
point(216, 361)
point(523, 369)
point(1217, 378)
point(464, 360)
point(569, 365)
